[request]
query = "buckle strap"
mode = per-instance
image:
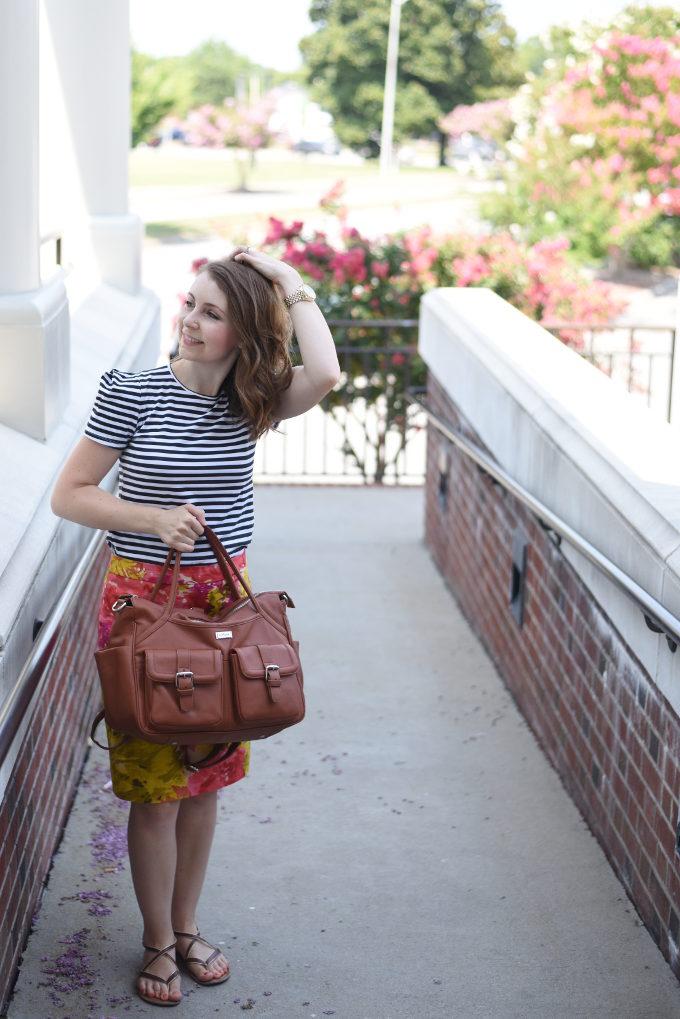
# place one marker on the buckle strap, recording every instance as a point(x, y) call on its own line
point(99, 717)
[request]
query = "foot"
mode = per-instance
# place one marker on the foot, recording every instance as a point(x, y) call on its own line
point(159, 980)
point(204, 963)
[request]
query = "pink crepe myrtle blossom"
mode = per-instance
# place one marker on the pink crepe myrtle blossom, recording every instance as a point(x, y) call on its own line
point(385, 277)
point(491, 120)
point(604, 135)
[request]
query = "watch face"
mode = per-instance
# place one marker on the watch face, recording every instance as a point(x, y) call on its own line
point(308, 292)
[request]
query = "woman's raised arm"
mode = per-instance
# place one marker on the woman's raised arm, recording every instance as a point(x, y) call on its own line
point(320, 369)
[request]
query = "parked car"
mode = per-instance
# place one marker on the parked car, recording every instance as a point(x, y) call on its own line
point(327, 146)
point(469, 153)
point(472, 147)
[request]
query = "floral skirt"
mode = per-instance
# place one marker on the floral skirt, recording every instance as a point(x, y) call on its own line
point(154, 772)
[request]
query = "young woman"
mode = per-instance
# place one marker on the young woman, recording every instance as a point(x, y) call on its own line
point(185, 436)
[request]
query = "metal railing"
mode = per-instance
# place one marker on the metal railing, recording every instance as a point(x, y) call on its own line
point(644, 372)
point(31, 678)
point(364, 431)
point(657, 617)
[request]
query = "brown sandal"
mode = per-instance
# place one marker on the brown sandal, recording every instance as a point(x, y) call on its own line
point(151, 999)
point(185, 958)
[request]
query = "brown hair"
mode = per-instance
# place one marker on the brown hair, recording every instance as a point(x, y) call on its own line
point(263, 368)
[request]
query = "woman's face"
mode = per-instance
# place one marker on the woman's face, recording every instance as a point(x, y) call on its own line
point(206, 335)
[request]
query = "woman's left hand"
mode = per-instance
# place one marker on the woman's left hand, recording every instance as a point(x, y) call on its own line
point(286, 276)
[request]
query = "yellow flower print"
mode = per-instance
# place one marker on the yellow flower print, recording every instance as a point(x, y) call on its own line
point(129, 569)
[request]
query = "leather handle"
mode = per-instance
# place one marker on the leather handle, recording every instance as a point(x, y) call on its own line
point(227, 564)
point(223, 558)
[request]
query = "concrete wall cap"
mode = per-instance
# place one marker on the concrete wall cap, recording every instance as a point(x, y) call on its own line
point(626, 449)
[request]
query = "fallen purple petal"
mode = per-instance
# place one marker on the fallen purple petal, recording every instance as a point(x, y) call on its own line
point(70, 971)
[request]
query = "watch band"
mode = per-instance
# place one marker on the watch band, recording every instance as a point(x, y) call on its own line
point(303, 293)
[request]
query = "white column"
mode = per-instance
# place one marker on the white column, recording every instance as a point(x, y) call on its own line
point(34, 320)
point(90, 56)
point(19, 238)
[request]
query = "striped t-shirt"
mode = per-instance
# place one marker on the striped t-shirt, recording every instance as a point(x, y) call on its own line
point(176, 447)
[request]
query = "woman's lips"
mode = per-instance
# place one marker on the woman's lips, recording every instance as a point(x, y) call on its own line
point(190, 341)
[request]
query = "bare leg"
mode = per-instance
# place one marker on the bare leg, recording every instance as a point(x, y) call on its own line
point(195, 830)
point(152, 849)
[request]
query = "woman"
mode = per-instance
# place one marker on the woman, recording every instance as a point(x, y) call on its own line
point(185, 436)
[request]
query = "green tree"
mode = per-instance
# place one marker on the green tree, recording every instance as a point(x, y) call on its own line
point(218, 73)
point(651, 22)
point(451, 52)
point(158, 87)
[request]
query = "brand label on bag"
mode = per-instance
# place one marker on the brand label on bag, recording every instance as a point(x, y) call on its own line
point(222, 634)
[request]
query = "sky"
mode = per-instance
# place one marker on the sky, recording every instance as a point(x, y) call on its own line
point(270, 30)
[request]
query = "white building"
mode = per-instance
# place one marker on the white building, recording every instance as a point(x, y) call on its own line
point(71, 303)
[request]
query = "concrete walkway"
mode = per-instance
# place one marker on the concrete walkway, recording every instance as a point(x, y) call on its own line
point(405, 853)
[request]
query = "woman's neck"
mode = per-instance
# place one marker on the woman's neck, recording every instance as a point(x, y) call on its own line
point(206, 380)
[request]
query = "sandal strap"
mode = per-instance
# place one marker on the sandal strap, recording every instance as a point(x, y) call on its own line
point(156, 978)
point(159, 952)
point(194, 938)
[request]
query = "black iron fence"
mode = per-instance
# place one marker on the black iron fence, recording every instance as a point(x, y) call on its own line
point(367, 432)
point(640, 357)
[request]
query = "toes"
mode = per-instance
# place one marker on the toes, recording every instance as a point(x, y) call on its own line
point(150, 989)
point(218, 967)
point(159, 991)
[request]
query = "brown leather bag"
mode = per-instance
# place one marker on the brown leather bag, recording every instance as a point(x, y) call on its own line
point(174, 675)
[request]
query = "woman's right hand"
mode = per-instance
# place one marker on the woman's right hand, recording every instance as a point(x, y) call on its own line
point(181, 526)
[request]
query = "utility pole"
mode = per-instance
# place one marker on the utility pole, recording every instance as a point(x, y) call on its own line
point(387, 131)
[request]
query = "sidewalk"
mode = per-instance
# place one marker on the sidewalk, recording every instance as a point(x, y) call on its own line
point(405, 853)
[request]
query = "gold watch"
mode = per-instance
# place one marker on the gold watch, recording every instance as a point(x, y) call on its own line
point(303, 293)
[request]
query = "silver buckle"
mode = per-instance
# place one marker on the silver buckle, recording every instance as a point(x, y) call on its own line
point(271, 668)
point(124, 602)
point(184, 673)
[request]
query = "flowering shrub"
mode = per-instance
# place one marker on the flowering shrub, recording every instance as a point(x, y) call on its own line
point(235, 124)
point(491, 120)
point(602, 162)
point(364, 278)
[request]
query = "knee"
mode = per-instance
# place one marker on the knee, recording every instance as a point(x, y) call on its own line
point(154, 816)
point(204, 805)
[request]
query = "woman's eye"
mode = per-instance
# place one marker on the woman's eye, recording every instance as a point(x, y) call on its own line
point(188, 304)
point(212, 314)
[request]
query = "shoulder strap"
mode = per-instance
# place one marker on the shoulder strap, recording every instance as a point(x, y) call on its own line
point(104, 746)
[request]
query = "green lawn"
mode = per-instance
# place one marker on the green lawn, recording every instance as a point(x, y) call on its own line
point(441, 192)
point(236, 228)
point(182, 167)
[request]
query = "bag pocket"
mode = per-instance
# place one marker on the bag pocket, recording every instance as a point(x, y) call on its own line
point(185, 690)
point(119, 694)
point(267, 681)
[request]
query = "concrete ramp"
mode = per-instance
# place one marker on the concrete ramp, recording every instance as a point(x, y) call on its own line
point(405, 853)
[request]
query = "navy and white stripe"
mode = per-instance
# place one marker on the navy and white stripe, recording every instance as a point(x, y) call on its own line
point(176, 447)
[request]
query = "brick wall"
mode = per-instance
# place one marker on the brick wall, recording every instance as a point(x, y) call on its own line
point(40, 790)
point(605, 727)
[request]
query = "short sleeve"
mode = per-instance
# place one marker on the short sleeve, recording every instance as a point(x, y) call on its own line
point(116, 409)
